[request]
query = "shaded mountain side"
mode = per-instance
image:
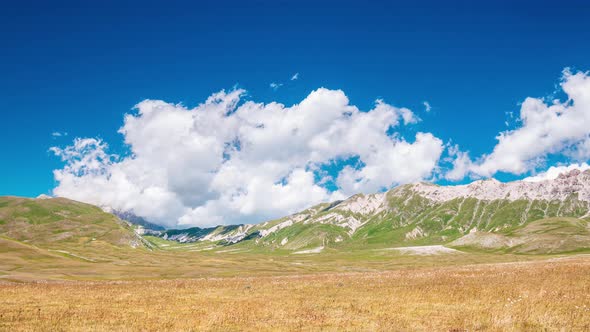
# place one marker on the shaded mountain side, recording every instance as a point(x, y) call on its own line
point(136, 220)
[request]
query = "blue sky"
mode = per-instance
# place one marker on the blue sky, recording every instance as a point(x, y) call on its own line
point(78, 67)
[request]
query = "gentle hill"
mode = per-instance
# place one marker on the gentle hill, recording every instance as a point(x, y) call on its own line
point(57, 238)
point(58, 223)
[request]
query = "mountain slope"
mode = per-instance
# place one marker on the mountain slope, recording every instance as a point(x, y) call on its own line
point(545, 236)
point(61, 223)
point(414, 214)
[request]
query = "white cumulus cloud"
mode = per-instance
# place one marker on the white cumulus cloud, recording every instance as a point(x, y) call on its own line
point(229, 161)
point(546, 128)
point(554, 171)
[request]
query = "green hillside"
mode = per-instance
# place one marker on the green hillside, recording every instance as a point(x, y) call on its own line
point(409, 219)
point(413, 220)
point(59, 223)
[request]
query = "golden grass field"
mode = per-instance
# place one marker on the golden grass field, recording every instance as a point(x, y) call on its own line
point(551, 295)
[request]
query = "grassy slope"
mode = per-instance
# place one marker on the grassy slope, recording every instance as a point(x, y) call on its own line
point(436, 223)
point(544, 236)
point(51, 236)
point(59, 222)
point(444, 222)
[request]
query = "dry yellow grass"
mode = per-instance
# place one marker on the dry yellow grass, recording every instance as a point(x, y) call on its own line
point(540, 295)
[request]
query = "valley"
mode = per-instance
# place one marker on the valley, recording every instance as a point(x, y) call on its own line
point(461, 256)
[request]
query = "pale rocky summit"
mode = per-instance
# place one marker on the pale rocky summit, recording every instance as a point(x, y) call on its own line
point(566, 184)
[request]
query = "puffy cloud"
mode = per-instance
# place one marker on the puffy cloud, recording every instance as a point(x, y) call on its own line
point(227, 161)
point(546, 128)
point(461, 163)
point(554, 171)
point(397, 162)
point(427, 106)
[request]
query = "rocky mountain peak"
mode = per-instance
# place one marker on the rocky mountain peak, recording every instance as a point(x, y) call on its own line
point(565, 184)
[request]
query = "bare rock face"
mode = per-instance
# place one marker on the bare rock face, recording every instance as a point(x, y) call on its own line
point(572, 173)
point(560, 188)
point(364, 204)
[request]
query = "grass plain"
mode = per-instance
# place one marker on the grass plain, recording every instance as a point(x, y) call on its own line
point(543, 295)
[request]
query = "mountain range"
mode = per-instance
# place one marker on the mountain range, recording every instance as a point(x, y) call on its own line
point(486, 214)
point(549, 216)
